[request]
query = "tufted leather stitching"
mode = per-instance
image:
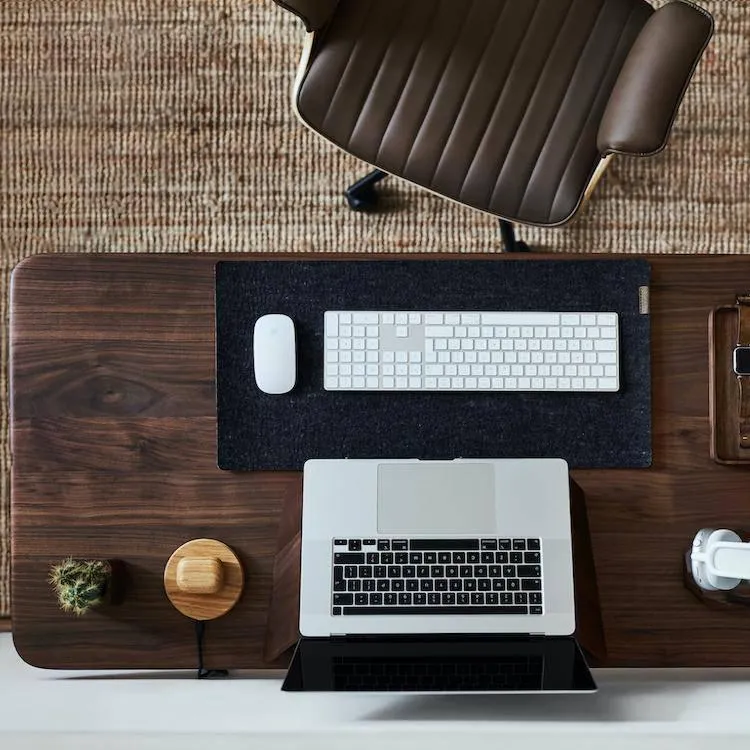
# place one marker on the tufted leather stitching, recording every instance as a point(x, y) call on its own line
point(358, 40)
point(437, 82)
point(557, 111)
point(529, 95)
point(601, 93)
point(522, 40)
point(407, 78)
point(379, 71)
point(424, 138)
point(469, 89)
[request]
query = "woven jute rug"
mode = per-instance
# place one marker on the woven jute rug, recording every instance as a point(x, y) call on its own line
point(142, 126)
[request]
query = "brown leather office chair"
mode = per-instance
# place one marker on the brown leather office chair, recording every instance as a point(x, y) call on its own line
point(511, 107)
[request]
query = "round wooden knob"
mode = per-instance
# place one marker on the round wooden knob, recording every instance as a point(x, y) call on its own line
point(203, 579)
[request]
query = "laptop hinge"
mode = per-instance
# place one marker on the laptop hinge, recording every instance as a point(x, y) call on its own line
point(434, 636)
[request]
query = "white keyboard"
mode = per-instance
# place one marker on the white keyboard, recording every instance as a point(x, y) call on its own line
point(471, 351)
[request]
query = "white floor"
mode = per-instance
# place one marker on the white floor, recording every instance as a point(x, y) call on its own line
point(639, 709)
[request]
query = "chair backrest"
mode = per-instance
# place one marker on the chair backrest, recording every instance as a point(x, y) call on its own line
point(508, 106)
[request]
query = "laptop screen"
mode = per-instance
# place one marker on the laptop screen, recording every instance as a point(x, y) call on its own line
point(439, 664)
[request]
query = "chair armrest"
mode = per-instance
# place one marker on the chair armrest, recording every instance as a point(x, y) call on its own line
point(648, 92)
point(315, 13)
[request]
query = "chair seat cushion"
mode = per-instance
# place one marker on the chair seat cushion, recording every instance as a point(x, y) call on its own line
point(492, 103)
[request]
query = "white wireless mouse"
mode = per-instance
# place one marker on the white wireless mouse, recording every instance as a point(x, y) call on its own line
point(275, 354)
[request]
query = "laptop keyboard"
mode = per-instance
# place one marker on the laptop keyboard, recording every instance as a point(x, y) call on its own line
point(487, 576)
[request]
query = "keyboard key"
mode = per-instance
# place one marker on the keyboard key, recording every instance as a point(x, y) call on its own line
point(386, 558)
point(355, 545)
point(365, 571)
point(472, 557)
point(520, 597)
point(448, 598)
point(415, 558)
point(404, 598)
point(439, 610)
point(462, 598)
point(350, 571)
point(426, 585)
point(348, 558)
point(455, 584)
point(501, 557)
point(535, 597)
point(516, 557)
point(369, 585)
point(399, 545)
point(361, 599)
point(488, 557)
point(441, 584)
point(384, 544)
point(535, 611)
point(390, 599)
point(420, 598)
point(533, 544)
point(433, 599)
point(401, 558)
point(380, 571)
point(519, 544)
point(503, 544)
point(470, 584)
point(513, 584)
point(529, 571)
point(412, 584)
point(444, 557)
point(531, 584)
point(372, 558)
point(430, 557)
point(465, 571)
point(498, 584)
point(398, 585)
point(477, 598)
point(484, 584)
point(384, 584)
point(342, 600)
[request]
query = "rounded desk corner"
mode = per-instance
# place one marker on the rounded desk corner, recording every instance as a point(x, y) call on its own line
point(29, 260)
point(23, 655)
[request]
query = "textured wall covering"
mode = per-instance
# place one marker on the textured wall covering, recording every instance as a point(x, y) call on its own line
point(144, 126)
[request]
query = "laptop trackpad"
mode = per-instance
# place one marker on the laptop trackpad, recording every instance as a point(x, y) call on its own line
point(431, 498)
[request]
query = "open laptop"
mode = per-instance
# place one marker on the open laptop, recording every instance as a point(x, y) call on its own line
point(424, 576)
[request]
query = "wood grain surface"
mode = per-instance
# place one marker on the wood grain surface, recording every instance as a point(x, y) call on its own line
point(114, 447)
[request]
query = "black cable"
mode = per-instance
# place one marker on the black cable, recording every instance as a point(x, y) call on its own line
point(205, 674)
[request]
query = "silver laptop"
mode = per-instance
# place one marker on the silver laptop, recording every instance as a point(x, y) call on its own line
point(448, 576)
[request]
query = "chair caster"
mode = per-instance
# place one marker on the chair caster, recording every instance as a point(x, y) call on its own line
point(511, 244)
point(362, 195)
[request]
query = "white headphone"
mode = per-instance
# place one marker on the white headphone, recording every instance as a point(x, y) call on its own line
point(720, 560)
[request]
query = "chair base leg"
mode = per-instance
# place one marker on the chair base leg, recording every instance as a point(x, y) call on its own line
point(511, 244)
point(362, 196)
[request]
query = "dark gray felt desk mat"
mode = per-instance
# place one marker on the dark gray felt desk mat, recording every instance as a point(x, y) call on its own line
point(257, 431)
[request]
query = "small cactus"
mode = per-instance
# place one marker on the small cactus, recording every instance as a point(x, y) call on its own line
point(80, 584)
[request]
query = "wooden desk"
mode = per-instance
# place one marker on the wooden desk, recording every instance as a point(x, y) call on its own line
point(114, 448)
